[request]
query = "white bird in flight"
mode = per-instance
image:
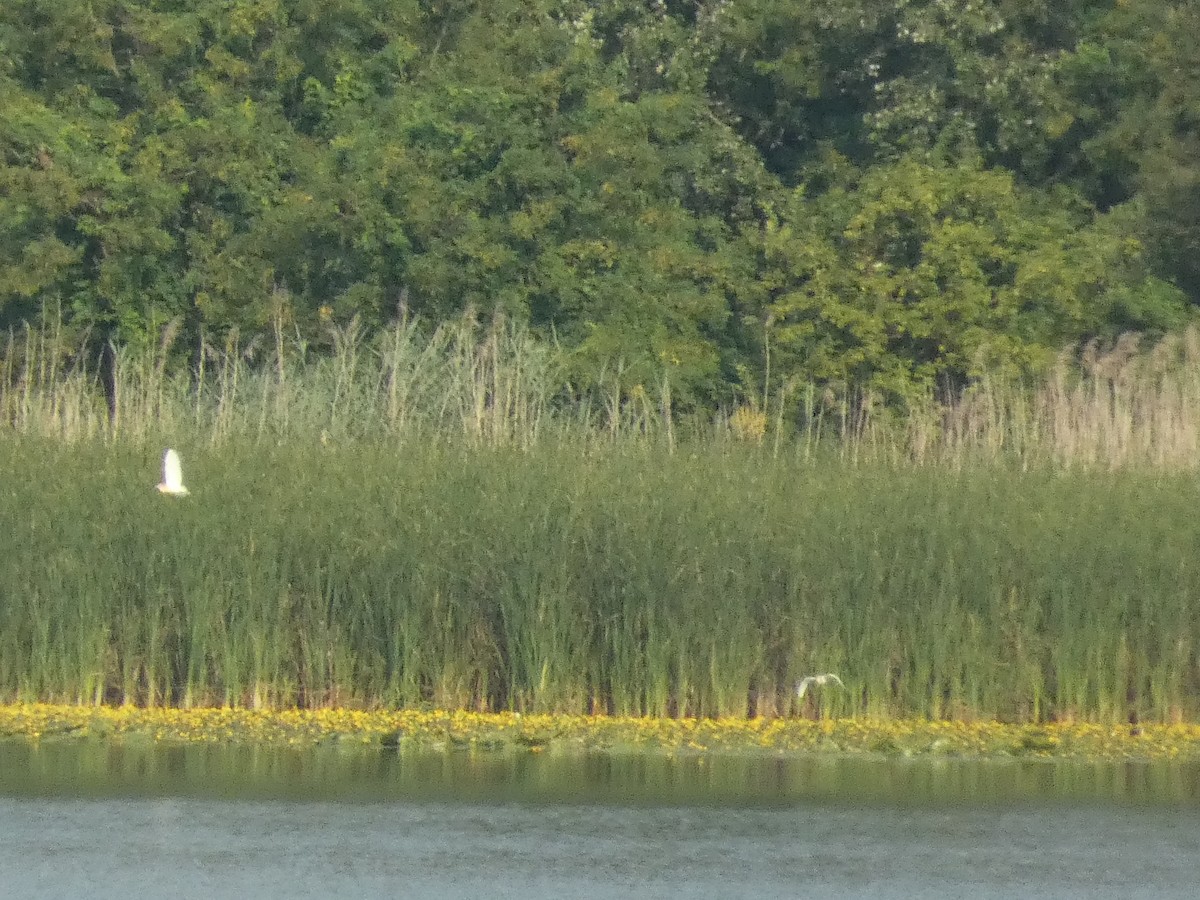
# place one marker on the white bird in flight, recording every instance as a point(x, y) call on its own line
point(172, 482)
point(817, 681)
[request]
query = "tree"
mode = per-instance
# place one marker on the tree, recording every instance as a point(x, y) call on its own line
point(913, 274)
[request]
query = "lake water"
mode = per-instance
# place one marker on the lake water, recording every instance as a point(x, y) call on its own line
point(94, 820)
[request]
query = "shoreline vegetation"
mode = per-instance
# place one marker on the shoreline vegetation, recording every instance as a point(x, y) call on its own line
point(620, 359)
point(461, 731)
point(431, 518)
point(1129, 404)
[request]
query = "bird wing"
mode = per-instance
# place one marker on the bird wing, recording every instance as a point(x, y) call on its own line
point(172, 471)
point(818, 680)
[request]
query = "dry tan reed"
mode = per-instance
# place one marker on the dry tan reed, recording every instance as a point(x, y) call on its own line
point(1110, 408)
point(1100, 407)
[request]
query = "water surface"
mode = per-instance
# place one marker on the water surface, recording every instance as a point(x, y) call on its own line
point(119, 821)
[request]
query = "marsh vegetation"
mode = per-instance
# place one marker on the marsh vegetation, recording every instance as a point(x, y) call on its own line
point(430, 516)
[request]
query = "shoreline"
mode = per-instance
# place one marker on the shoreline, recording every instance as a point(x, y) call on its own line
point(497, 732)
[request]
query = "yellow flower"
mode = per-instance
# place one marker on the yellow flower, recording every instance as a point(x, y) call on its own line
point(748, 424)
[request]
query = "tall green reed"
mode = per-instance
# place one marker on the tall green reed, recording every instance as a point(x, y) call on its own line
point(434, 517)
point(625, 581)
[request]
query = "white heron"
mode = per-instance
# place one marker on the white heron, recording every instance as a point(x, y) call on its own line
point(172, 482)
point(817, 681)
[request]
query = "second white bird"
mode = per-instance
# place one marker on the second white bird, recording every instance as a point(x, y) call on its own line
point(817, 681)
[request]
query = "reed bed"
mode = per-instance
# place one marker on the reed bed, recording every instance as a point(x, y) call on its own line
point(435, 519)
point(627, 582)
point(495, 384)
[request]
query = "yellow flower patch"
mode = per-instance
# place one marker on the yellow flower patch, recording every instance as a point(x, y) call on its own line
point(461, 730)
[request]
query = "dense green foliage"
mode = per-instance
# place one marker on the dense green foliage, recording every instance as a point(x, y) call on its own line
point(731, 194)
point(622, 580)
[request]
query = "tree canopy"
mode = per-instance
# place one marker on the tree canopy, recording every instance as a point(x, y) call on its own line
point(888, 193)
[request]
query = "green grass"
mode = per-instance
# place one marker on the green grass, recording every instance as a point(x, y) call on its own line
point(626, 581)
point(436, 518)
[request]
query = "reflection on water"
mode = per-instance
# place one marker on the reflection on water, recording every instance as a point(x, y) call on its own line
point(100, 820)
point(81, 769)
